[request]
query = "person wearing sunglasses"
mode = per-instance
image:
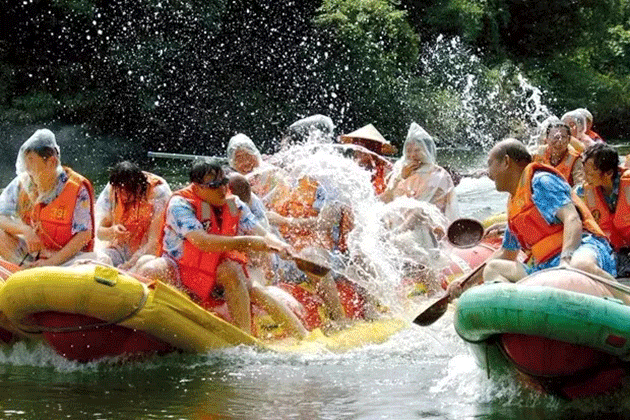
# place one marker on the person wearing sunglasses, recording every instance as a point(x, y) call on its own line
point(206, 236)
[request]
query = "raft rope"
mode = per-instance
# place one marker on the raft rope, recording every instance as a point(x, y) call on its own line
point(4, 272)
point(140, 305)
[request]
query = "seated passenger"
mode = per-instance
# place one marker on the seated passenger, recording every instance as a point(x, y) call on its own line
point(371, 146)
point(47, 211)
point(545, 219)
point(244, 157)
point(417, 175)
point(589, 125)
point(559, 154)
point(577, 123)
point(316, 226)
point(206, 233)
point(541, 138)
point(132, 206)
point(606, 193)
point(240, 187)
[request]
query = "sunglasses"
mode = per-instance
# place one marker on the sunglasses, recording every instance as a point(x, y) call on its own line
point(216, 183)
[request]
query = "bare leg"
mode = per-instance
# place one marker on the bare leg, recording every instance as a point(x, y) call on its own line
point(157, 269)
point(326, 288)
point(504, 271)
point(278, 310)
point(231, 277)
point(8, 247)
point(585, 260)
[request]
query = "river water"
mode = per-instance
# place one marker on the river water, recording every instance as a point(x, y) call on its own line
point(419, 373)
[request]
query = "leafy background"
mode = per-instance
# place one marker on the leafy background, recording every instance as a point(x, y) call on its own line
point(186, 75)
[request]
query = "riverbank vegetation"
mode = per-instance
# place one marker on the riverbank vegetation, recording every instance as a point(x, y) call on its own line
point(186, 75)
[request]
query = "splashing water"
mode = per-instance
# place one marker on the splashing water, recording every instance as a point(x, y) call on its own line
point(478, 105)
point(378, 254)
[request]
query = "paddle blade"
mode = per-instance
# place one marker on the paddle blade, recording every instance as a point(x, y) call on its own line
point(312, 267)
point(433, 312)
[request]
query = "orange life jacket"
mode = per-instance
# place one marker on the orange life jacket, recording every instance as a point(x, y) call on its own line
point(197, 268)
point(537, 237)
point(53, 221)
point(566, 164)
point(615, 224)
point(136, 217)
point(299, 203)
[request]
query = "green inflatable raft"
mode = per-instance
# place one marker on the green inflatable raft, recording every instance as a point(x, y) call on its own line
point(560, 341)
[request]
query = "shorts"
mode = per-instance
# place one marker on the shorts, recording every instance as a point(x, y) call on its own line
point(119, 254)
point(22, 256)
point(591, 245)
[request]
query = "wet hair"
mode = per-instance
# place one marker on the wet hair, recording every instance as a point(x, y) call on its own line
point(558, 124)
point(239, 185)
point(202, 167)
point(129, 177)
point(604, 157)
point(515, 149)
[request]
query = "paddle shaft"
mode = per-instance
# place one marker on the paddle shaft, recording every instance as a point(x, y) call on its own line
point(174, 155)
point(468, 277)
point(183, 156)
point(438, 308)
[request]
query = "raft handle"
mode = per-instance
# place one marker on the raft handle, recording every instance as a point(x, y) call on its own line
point(106, 275)
point(106, 282)
point(614, 299)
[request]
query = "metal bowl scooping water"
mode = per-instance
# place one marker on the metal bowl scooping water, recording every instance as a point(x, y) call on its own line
point(465, 233)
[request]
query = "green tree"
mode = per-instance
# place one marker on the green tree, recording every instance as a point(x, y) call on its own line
point(370, 52)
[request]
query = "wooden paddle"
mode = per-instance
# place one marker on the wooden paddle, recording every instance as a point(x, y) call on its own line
point(439, 307)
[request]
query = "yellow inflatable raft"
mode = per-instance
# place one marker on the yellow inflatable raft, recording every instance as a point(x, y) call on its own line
point(90, 311)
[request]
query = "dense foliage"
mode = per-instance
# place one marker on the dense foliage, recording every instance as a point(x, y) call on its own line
point(185, 75)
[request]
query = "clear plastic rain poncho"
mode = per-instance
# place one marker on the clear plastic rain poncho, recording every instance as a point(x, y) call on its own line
point(429, 182)
point(244, 143)
point(263, 177)
point(41, 139)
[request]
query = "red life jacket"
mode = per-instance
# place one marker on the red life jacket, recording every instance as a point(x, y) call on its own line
point(537, 237)
point(53, 221)
point(615, 224)
point(197, 268)
point(136, 217)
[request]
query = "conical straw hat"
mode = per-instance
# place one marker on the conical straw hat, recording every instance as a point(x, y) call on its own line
point(369, 137)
